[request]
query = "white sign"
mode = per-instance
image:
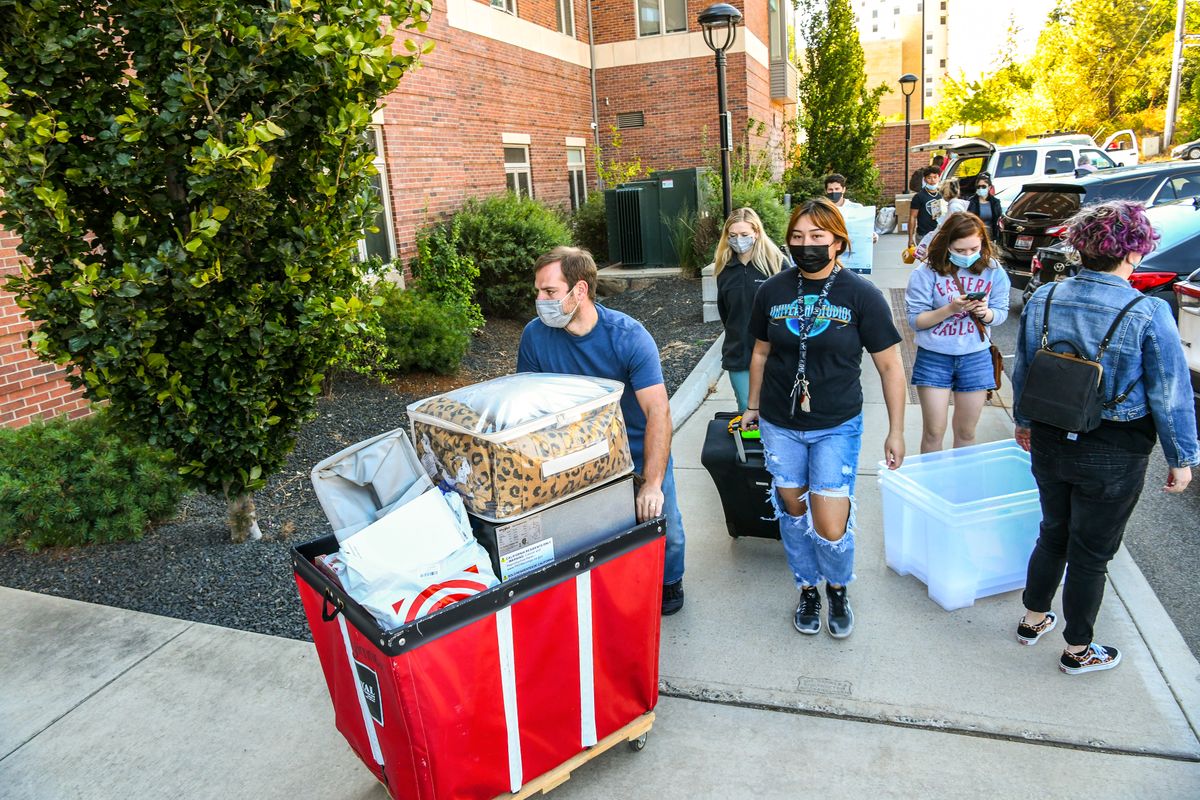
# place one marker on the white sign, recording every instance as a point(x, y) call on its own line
point(860, 224)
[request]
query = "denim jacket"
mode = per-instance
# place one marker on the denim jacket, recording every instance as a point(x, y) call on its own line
point(1145, 351)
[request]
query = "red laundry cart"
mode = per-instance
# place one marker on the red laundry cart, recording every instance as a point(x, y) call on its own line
point(501, 689)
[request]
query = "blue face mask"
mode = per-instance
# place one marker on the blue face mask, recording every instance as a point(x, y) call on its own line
point(963, 262)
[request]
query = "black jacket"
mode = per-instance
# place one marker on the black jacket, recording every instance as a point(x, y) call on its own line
point(973, 207)
point(736, 286)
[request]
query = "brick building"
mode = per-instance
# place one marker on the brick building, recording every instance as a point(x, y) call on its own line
point(505, 101)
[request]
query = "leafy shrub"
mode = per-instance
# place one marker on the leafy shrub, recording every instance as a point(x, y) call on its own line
point(441, 270)
point(589, 227)
point(503, 236)
point(80, 482)
point(764, 199)
point(420, 332)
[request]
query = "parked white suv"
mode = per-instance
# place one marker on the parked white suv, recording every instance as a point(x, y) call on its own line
point(1188, 293)
point(1022, 163)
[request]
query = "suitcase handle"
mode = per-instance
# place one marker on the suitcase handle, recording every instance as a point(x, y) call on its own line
point(737, 443)
point(329, 600)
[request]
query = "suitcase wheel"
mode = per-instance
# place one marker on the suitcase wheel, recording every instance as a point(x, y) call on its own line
point(639, 744)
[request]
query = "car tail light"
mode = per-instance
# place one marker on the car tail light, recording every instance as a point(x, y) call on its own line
point(1145, 281)
point(1035, 265)
point(1188, 295)
point(1057, 230)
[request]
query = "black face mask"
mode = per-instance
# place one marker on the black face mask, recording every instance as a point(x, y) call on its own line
point(834, 197)
point(810, 258)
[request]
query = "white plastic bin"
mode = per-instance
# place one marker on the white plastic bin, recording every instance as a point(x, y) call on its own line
point(963, 521)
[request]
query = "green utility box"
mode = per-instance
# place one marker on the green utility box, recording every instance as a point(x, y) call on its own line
point(641, 215)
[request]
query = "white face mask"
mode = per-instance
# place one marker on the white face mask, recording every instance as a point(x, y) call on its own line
point(742, 244)
point(554, 314)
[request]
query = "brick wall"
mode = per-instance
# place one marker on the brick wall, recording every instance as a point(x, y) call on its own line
point(889, 156)
point(443, 126)
point(29, 388)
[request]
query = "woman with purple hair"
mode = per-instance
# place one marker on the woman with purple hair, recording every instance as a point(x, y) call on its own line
point(1089, 482)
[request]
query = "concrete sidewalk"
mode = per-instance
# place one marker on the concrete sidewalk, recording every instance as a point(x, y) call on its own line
point(98, 702)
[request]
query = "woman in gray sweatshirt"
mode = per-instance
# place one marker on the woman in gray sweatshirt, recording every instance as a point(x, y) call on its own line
point(952, 299)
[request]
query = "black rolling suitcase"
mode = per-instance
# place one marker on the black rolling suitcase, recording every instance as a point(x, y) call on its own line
point(737, 467)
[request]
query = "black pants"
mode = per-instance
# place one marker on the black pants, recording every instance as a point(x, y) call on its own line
point(1088, 490)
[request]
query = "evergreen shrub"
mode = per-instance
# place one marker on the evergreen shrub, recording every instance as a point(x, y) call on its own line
point(75, 482)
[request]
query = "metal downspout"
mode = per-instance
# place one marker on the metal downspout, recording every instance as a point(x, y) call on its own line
point(595, 105)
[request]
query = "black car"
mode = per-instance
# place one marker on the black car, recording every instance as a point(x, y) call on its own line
point(1176, 256)
point(1036, 217)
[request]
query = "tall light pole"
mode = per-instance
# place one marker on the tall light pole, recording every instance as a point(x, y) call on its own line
point(1176, 66)
point(908, 82)
point(720, 22)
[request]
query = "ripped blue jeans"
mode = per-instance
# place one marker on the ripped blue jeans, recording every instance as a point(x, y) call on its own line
point(825, 461)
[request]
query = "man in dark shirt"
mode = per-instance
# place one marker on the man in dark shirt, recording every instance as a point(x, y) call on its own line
point(921, 219)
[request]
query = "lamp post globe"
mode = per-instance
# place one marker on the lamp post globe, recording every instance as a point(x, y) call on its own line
point(719, 23)
point(908, 83)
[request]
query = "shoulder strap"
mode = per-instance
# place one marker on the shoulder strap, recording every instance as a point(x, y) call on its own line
point(1113, 328)
point(983, 337)
point(1046, 316)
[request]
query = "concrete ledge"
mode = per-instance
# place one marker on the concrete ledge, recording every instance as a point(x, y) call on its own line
point(617, 279)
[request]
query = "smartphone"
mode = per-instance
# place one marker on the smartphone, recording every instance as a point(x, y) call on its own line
point(976, 295)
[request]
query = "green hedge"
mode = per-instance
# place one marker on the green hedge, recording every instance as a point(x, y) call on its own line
point(589, 226)
point(503, 236)
point(66, 483)
point(420, 332)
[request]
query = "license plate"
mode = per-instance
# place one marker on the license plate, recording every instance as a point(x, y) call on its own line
point(1023, 242)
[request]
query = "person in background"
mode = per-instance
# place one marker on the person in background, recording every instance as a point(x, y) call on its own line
point(922, 219)
point(744, 259)
point(1083, 166)
point(952, 198)
point(986, 205)
point(574, 335)
point(918, 177)
point(835, 192)
point(960, 288)
point(812, 323)
point(1089, 483)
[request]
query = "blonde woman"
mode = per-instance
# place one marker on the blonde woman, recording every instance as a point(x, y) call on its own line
point(745, 258)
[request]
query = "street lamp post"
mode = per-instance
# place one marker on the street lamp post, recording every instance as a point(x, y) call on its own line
point(908, 82)
point(720, 22)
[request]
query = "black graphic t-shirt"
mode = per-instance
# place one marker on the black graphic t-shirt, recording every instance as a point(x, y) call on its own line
point(854, 317)
point(926, 221)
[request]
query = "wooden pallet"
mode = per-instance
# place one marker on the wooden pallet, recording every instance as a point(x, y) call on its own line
point(562, 773)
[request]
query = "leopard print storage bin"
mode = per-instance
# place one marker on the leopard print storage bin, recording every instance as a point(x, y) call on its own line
point(512, 445)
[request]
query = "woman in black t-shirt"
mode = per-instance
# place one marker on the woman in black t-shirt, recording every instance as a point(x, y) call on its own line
point(811, 324)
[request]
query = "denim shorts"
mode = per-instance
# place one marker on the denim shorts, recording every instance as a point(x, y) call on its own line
point(969, 373)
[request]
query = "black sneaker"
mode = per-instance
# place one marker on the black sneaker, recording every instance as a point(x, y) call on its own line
point(1029, 634)
point(841, 618)
point(672, 597)
point(808, 613)
point(1094, 659)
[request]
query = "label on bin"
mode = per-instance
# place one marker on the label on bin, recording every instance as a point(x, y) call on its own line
point(368, 683)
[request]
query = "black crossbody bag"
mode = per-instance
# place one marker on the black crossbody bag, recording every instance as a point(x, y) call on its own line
point(1064, 389)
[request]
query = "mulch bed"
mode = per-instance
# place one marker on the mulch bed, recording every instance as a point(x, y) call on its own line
point(187, 568)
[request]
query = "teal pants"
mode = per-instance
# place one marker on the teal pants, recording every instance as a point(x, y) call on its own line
point(741, 388)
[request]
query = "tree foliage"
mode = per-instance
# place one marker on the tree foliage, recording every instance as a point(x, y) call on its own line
point(189, 179)
point(838, 114)
point(1099, 66)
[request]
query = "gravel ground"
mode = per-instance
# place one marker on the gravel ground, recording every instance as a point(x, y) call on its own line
point(187, 568)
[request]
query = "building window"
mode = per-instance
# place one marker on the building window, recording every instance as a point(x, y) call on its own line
point(874, 29)
point(517, 174)
point(577, 175)
point(379, 242)
point(929, 37)
point(875, 14)
point(566, 17)
point(929, 80)
point(929, 92)
point(943, 5)
point(896, 11)
point(943, 20)
point(507, 6)
point(942, 63)
point(661, 16)
point(928, 51)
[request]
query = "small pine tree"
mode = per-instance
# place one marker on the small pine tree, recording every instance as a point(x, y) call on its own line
point(839, 115)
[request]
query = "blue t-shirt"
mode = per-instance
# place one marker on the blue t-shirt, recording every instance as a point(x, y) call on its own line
point(618, 347)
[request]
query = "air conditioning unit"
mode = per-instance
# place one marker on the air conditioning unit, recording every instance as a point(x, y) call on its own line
point(641, 215)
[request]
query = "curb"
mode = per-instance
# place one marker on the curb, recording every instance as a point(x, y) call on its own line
point(698, 385)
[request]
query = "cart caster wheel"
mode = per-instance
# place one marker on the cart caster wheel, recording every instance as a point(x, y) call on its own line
point(639, 744)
